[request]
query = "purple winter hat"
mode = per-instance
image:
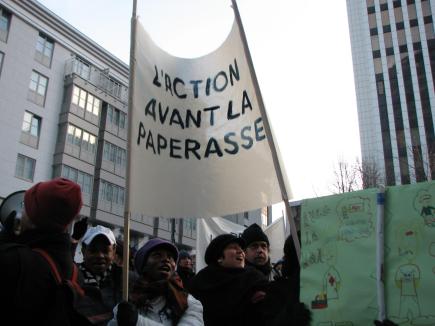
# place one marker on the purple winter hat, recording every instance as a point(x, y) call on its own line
point(142, 254)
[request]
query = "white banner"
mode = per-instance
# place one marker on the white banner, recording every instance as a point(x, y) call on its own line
point(276, 234)
point(198, 146)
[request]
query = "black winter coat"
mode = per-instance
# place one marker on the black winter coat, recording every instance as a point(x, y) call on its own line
point(225, 294)
point(281, 306)
point(27, 286)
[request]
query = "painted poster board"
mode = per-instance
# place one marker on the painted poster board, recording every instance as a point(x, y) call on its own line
point(410, 254)
point(338, 258)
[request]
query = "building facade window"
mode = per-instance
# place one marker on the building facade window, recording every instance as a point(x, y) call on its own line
point(93, 105)
point(82, 68)
point(85, 105)
point(116, 121)
point(37, 88)
point(111, 198)
point(372, 20)
point(30, 129)
point(385, 17)
point(25, 167)
point(81, 178)
point(114, 88)
point(114, 159)
point(44, 50)
point(79, 97)
point(189, 227)
point(81, 144)
point(412, 11)
point(5, 22)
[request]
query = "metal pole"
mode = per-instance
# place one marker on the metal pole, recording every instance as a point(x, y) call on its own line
point(380, 252)
point(268, 132)
point(126, 255)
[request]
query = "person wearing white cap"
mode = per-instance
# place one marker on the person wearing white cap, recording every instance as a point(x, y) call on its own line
point(102, 279)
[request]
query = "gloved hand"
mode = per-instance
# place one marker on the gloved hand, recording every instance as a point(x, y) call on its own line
point(301, 315)
point(79, 229)
point(127, 314)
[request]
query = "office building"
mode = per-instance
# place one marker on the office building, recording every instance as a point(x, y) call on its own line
point(63, 104)
point(393, 49)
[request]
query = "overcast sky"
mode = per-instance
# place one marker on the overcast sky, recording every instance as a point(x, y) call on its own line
point(302, 57)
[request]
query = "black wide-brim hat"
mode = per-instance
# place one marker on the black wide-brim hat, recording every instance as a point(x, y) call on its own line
point(216, 247)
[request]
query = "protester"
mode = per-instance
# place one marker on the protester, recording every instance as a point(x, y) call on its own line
point(257, 250)
point(185, 268)
point(158, 297)
point(30, 293)
point(102, 278)
point(277, 269)
point(228, 291)
point(281, 305)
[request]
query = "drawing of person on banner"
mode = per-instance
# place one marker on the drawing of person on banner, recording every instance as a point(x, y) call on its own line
point(408, 277)
point(424, 204)
point(331, 279)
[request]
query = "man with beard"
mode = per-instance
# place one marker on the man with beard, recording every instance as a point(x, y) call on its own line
point(158, 297)
point(257, 250)
point(102, 279)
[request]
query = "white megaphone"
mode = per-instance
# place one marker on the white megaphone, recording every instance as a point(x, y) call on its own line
point(11, 211)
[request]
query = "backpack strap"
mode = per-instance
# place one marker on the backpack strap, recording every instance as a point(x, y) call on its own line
point(50, 262)
point(73, 281)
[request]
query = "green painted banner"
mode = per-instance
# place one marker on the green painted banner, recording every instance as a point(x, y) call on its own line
point(338, 259)
point(410, 254)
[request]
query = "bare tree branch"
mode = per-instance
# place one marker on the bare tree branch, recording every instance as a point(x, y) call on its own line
point(356, 176)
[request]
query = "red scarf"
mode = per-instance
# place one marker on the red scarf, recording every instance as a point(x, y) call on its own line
point(171, 289)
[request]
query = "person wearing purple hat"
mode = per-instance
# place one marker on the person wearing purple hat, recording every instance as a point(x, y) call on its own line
point(157, 296)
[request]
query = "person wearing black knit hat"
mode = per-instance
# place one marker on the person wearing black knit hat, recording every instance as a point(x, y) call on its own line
point(229, 292)
point(257, 250)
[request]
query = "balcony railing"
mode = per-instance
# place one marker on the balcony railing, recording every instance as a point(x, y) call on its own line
point(97, 77)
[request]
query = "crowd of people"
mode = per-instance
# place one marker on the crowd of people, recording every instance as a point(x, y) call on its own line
point(40, 284)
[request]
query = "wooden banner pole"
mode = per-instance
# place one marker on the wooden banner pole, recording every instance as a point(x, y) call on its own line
point(268, 132)
point(126, 251)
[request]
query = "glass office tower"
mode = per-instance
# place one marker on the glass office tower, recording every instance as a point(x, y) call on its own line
point(393, 49)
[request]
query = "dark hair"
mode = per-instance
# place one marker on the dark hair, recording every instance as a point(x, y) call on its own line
point(290, 266)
